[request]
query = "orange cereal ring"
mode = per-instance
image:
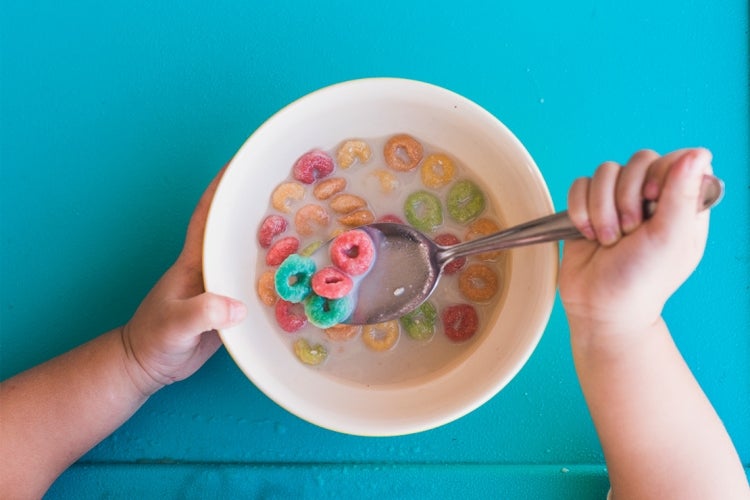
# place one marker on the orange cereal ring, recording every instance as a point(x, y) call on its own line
point(403, 152)
point(309, 217)
point(351, 151)
point(358, 218)
point(478, 282)
point(345, 203)
point(328, 187)
point(285, 194)
point(482, 227)
point(381, 336)
point(267, 288)
point(388, 181)
point(342, 332)
point(437, 171)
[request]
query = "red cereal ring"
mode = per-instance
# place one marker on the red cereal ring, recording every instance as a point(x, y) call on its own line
point(390, 218)
point(271, 227)
point(312, 165)
point(447, 239)
point(282, 249)
point(290, 317)
point(353, 252)
point(403, 152)
point(460, 322)
point(331, 283)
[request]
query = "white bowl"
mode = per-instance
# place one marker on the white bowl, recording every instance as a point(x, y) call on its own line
point(376, 108)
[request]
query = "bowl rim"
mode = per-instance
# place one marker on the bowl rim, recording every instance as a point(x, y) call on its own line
point(549, 288)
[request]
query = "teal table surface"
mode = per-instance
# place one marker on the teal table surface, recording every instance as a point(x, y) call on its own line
point(116, 115)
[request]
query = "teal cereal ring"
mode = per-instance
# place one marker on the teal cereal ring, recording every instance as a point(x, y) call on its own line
point(293, 278)
point(465, 201)
point(420, 323)
point(325, 313)
point(424, 211)
point(309, 354)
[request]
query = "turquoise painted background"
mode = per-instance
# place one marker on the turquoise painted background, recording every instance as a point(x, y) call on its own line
point(114, 116)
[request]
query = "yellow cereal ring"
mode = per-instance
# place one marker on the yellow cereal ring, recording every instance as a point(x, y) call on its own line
point(482, 227)
point(285, 194)
point(309, 354)
point(478, 282)
point(309, 217)
point(328, 187)
point(351, 151)
point(267, 288)
point(437, 171)
point(342, 332)
point(388, 181)
point(403, 152)
point(381, 336)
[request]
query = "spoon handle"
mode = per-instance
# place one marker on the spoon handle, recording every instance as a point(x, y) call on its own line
point(556, 227)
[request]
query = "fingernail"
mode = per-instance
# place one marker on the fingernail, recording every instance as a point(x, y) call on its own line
point(588, 232)
point(237, 311)
point(628, 223)
point(651, 190)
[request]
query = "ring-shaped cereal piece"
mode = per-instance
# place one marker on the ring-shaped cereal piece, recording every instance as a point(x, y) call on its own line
point(310, 248)
point(351, 151)
point(328, 187)
point(342, 332)
point(437, 171)
point(325, 313)
point(381, 336)
point(480, 227)
point(465, 201)
point(312, 166)
point(420, 323)
point(460, 322)
point(448, 239)
point(403, 152)
point(387, 180)
point(331, 283)
point(309, 218)
point(267, 288)
point(424, 211)
point(290, 317)
point(353, 252)
point(271, 227)
point(309, 354)
point(478, 282)
point(293, 278)
point(285, 194)
point(282, 249)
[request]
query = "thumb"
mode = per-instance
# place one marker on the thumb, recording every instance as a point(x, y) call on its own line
point(204, 312)
point(679, 201)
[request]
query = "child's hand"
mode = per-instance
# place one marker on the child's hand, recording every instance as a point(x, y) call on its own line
point(620, 276)
point(173, 331)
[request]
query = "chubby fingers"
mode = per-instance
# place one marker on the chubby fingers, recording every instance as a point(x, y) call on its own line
point(609, 204)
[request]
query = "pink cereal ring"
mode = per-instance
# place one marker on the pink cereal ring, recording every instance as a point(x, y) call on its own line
point(271, 227)
point(312, 165)
point(331, 283)
point(282, 249)
point(290, 317)
point(353, 252)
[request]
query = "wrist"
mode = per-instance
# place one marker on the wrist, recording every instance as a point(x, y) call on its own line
point(591, 333)
point(142, 380)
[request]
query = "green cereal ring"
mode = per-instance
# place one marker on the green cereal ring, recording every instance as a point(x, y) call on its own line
point(325, 313)
point(293, 278)
point(420, 323)
point(465, 201)
point(309, 354)
point(424, 211)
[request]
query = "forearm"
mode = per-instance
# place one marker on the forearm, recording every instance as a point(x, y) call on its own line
point(52, 414)
point(661, 436)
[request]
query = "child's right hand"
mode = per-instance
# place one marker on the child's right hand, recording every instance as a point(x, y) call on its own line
point(618, 278)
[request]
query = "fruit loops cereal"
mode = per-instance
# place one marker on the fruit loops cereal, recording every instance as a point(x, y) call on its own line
point(327, 195)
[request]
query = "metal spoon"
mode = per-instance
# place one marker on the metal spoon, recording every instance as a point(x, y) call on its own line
point(408, 264)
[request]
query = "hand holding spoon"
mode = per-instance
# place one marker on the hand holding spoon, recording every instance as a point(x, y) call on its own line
point(408, 264)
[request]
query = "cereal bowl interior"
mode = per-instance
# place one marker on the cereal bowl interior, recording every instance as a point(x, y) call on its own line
point(378, 108)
